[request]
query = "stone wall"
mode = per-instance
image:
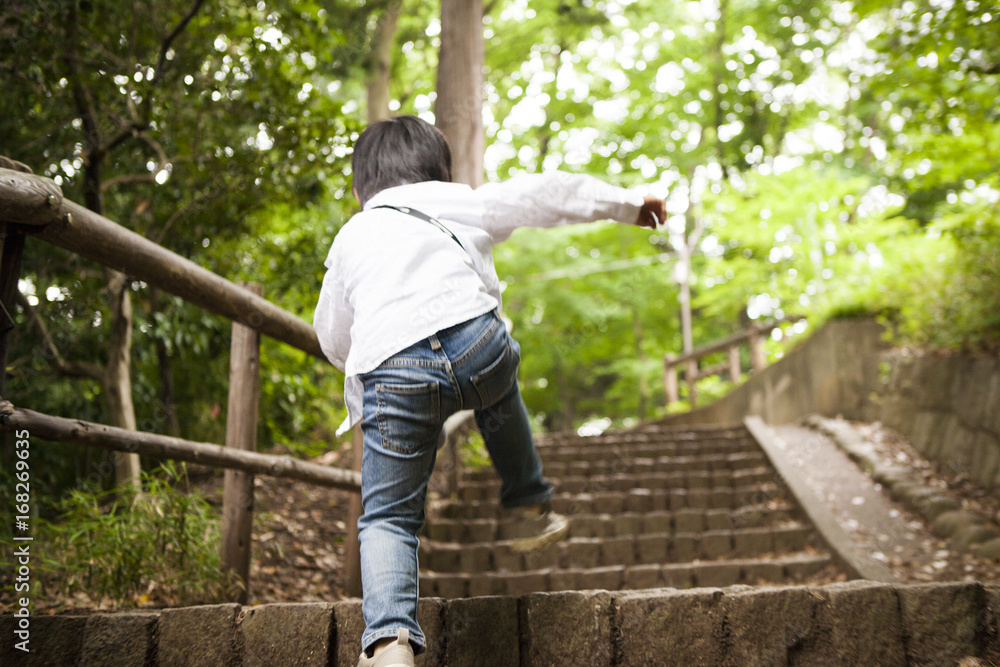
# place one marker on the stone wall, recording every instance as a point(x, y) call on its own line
point(832, 372)
point(946, 405)
point(860, 623)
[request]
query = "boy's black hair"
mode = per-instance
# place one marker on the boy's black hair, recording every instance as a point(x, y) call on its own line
point(398, 151)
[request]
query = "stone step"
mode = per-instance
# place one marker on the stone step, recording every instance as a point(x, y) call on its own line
point(853, 623)
point(736, 433)
point(650, 448)
point(590, 552)
point(579, 465)
point(754, 571)
point(624, 482)
point(636, 500)
point(628, 523)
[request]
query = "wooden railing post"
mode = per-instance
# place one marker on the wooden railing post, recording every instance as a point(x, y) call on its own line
point(352, 555)
point(670, 390)
point(758, 359)
point(691, 376)
point(735, 372)
point(241, 433)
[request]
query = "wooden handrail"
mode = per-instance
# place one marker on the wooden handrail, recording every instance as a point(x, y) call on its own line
point(24, 199)
point(698, 353)
point(689, 360)
point(59, 429)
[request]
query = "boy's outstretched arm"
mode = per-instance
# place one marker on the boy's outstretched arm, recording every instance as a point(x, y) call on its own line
point(652, 212)
point(556, 198)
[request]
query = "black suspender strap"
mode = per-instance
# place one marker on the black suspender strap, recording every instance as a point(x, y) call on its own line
point(426, 218)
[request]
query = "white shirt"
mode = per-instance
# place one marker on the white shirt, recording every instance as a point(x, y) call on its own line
point(392, 279)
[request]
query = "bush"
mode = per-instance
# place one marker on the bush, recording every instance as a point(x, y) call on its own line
point(158, 547)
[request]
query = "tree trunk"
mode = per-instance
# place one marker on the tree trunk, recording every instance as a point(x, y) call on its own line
point(118, 378)
point(377, 84)
point(458, 110)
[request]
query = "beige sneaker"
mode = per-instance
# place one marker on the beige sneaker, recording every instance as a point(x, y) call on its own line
point(537, 527)
point(399, 654)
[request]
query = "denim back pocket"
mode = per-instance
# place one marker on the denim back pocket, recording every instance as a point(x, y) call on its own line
point(408, 415)
point(494, 381)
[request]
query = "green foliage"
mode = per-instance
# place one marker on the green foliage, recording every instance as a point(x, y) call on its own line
point(160, 547)
point(473, 452)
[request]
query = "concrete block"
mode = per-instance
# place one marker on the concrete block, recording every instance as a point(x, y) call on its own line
point(950, 523)
point(934, 506)
point(725, 573)
point(762, 571)
point(700, 498)
point(453, 585)
point(689, 521)
point(991, 624)
point(716, 544)
point(526, 582)
point(792, 538)
point(444, 558)
point(722, 498)
point(53, 640)
point(349, 624)
point(683, 548)
point(609, 503)
point(639, 500)
point(660, 500)
point(572, 628)
point(506, 559)
point(989, 550)
point(120, 640)
point(972, 535)
point(698, 480)
point(718, 520)
point(487, 583)
point(482, 632)
point(753, 541)
point(764, 625)
point(569, 579)
point(475, 558)
point(858, 623)
point(539, 560)
point(195, 636)
point(801, 567)
point(941, 621)
point(481, 530)
point(670, 628)
point(985, 458)
point(625, 524)
point(586, 526)
point(677, 576)
point(657, 522)
point(617, 551)
point(604, 578)
point(301, 634)
point(642, 576)
point(652, 548)
point(677, 500)
point(427, 584)
point(583, 553)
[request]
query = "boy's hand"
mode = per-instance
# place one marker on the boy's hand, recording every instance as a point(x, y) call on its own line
point(653, 212)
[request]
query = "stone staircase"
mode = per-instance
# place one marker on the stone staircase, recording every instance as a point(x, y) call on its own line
point(650, 507)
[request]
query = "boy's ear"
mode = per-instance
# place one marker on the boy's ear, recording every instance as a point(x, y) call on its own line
point(356, 197)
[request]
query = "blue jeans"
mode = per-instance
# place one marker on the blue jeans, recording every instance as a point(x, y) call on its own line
point(470, 366)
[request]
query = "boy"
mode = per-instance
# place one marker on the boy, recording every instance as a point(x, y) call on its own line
point(409, 310)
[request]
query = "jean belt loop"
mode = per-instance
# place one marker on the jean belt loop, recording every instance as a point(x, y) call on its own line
point(435, 343)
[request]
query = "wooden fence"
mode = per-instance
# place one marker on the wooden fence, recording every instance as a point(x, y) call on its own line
point(755, 335)
point(31, 205)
